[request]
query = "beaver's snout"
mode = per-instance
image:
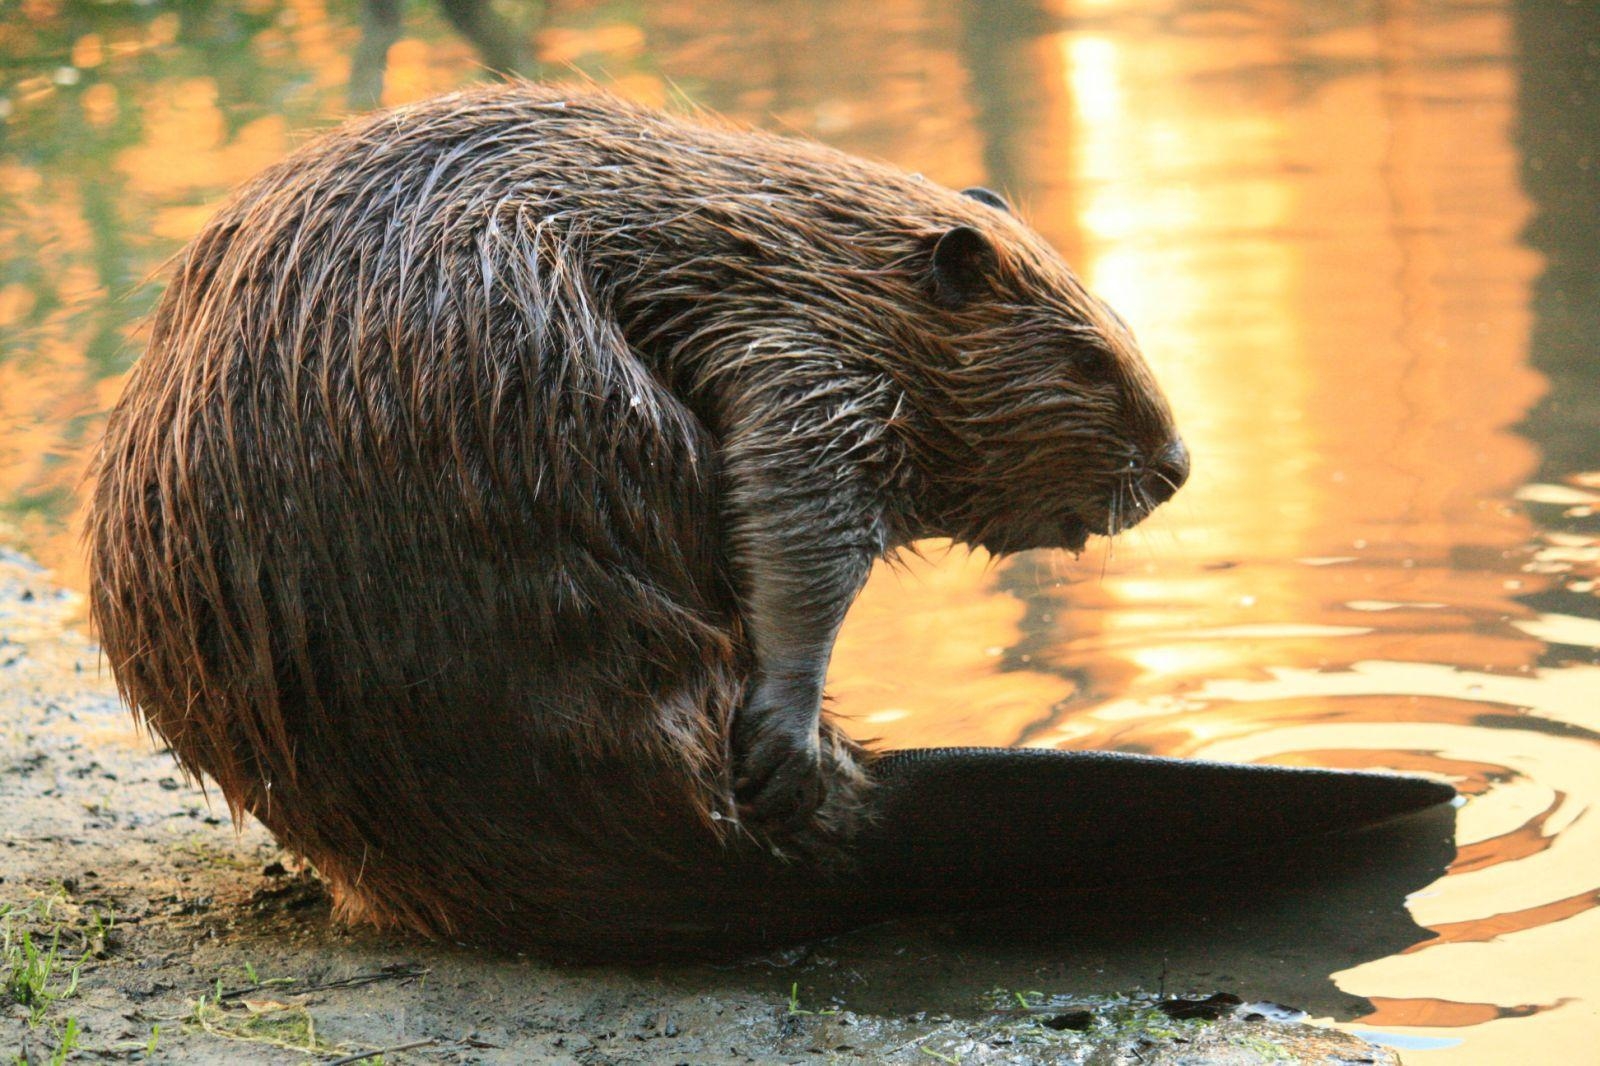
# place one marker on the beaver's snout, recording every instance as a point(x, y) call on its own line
point(1165, 473)
point(1142, 488)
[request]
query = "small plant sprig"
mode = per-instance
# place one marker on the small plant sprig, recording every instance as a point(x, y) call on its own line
point(796, 1009)
point(33, 977)
point(66, 1041)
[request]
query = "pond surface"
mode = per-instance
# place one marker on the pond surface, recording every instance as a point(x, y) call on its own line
point(1359, 242)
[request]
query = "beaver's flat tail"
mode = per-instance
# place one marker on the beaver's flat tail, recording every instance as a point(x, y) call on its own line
point(952, 830)
point(961, 827)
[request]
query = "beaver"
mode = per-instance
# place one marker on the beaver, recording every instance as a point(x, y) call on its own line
point(500, 469)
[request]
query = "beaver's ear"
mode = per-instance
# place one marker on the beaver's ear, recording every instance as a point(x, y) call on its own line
point(987, 196)
point(964, 263)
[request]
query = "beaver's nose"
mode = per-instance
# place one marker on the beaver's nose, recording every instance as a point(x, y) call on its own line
point(1166, 472)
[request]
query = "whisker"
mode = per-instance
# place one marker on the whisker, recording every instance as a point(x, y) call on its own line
point(1146, 504)
point(1128, 513)
point(1112, 525)
point(1173, 485)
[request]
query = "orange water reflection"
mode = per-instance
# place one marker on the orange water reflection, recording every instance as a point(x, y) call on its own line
point(1311, 215)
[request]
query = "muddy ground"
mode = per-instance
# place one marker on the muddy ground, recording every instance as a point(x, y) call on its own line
point(139, 925)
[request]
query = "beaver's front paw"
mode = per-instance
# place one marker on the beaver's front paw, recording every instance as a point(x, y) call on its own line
point(790, 785)
point(778, 781)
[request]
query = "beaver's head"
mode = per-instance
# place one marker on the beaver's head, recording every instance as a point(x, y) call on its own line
point(1054, 427)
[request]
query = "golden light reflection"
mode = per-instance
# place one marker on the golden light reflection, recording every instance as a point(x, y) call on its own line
point(1540, 965)
point(909, 645)
point(1273, 230)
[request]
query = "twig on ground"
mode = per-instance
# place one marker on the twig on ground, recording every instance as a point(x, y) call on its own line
point(362, 1056)
point(433, 1041)
point(396, 973)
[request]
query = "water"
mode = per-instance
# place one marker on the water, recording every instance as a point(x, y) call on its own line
point(1360, 242)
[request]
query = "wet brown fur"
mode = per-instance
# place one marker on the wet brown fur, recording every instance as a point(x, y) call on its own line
point(414, 526)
